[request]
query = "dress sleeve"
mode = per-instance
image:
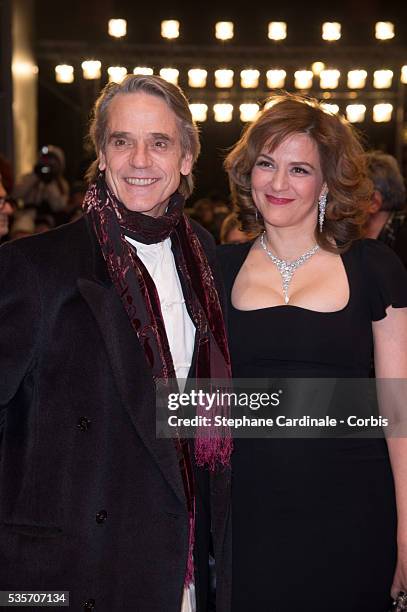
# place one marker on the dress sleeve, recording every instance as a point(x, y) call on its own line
point(386, 278)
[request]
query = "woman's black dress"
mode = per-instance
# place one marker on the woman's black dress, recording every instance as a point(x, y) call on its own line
point(314, 520)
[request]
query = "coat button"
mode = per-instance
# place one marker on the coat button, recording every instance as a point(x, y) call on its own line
point(89, 605)
point(101, 516)
point(83, 423)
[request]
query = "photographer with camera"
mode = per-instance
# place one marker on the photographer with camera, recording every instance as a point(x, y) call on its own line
point(45, 188)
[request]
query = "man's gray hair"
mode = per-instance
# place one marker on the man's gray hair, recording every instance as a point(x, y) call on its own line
point(385, 174)
point(154, 86)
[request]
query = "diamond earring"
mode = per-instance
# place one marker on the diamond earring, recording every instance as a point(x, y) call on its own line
point(322, 207)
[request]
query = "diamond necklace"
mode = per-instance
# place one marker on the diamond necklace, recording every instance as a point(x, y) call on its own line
point(287, 268)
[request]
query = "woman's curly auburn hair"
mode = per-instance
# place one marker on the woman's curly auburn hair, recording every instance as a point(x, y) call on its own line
point(342, 160)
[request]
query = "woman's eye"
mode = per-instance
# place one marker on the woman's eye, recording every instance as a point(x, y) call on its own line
point(299, 170)
point(263, 163)
point(119, 142)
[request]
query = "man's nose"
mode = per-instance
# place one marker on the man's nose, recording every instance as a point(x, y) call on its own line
point(140, 156)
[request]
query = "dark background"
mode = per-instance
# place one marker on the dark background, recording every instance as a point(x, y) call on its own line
point(64, 109)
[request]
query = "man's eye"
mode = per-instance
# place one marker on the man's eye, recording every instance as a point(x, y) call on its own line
point(160, 144)
point(119, 142)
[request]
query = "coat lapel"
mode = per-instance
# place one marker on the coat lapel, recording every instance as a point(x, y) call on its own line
point(130, 370)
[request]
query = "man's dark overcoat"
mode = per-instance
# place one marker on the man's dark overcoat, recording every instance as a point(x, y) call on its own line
point(90, 501)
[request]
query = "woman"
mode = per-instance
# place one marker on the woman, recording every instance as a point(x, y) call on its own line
point(314, 520)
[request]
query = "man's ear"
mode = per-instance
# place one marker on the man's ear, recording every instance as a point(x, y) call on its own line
point(375, 203)
point(186, 164)
point(102, 161)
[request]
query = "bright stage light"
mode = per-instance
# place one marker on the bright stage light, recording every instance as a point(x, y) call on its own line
point(92, 69)
point(331, 30)
point(224, 78)
point(276, 78)
point(116, 73)
point(248, 111)
point(197, 77)
point(382, 112)
point(223, 112)
point(355, 113)
point(170, 74)
point(249, 79)
point(333, 109)
point(384, 30)
point(329, 79)
point(277, 30)
point(224, 30)
point(64, 73)
point(357, 79)
point(199, 112)
point(143, 70)
point(170, 29)
point(303, 79)
point(117, 28)
point(317, 68)
point(382, 79)
point(403, 76)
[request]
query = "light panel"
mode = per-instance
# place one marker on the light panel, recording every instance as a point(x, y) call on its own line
point(248, 111)
point(197, 77)
point(355, 113)
point(170, 74)
point(403, 76)
point(224, 77)
point(224, 30)
point(170, 29)
point(329, 79)
point(382, 112)
point(303, 79)
point(117, 28)
point(384, 30)
point(64, 73)
point(331, 30)
point(277, 30)
point(382, 79)
point(223, 112)
point(276, 78)
point(357, 79)
point(91, 69)
point(143, 70)
point(249, 79)
point(333, 109)
point(199, 112)
point(116, 73)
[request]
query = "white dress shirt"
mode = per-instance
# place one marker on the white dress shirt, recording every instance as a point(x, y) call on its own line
point(159, 260)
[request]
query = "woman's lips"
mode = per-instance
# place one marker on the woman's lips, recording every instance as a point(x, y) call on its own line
point(278, 201)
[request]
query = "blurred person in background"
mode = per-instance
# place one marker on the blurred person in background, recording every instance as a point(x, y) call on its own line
point(6, 212)
point(231, 232)
point(387, 219)
point(45, 187)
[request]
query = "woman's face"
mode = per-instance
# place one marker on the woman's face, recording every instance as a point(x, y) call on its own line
point(287, 182)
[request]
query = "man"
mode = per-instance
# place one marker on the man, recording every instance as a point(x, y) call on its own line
point(388, 215)
point(94, 313)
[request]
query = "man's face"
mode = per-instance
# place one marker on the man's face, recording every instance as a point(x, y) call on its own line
point(143, 161)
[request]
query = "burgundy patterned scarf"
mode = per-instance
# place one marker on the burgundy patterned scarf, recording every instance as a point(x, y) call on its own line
point(112, 221)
